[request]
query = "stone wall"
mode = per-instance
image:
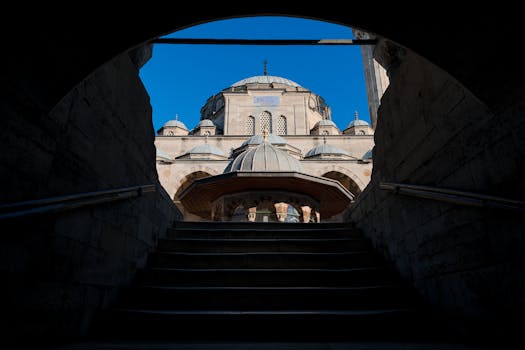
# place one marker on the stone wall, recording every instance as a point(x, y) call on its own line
point(466, 261)
point(60, 269)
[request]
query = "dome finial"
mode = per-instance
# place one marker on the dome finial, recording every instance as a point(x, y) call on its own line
point(356, 115)
point(265, 70)
point(265, 134)
point(177, 116)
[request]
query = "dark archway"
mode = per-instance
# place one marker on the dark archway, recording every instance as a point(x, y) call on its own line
point(345, 180)
point(448, 252)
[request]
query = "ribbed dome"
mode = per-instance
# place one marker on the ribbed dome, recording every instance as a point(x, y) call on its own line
point(206, 122)
point(206, 149)
point(357, 122)
point(176, 123)
point(266, 79)
point(326, 149)
point(326, 122)
point(264, 157)
point(258, 139)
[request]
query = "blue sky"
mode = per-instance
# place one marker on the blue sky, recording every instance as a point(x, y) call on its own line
point(180, 78)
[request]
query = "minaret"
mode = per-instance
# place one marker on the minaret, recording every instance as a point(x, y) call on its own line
point(265, 68)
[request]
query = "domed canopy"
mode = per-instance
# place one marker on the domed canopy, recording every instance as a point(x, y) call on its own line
point(205, 122)
point(258, 139)
point(264, 157)
point(326, 122)
point(326, 149)
point(266, 79)
point(176, 122)
point(206, 149)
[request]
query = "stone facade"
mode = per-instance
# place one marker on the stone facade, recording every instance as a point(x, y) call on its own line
point(284, 108)
point(467, 261)
point(61, 269)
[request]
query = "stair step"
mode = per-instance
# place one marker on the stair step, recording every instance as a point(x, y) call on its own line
point(254, 233)
point(234, 245)
point(262, 260)
point(269, 226)
point(298, 325)
point(265, 277)
point(264, 298)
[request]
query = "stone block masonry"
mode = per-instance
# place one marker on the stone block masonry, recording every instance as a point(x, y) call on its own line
point(466, 261)
point(61, 269)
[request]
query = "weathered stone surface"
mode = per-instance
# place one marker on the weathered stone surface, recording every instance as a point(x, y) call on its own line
point(61, 269)
point(466, 261)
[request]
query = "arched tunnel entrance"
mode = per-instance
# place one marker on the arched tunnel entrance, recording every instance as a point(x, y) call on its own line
point(436, 127)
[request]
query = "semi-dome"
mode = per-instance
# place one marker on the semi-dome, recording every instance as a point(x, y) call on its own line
point(162, 154)
point(325, 122)
point(258, 139)
point(264, 157)
point(206, 149)
point(326, 149)
point(205, 122)
point(266, 79)
point(176, 122)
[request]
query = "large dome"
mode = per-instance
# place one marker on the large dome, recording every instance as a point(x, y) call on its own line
point(266, 79)
point(264, 157)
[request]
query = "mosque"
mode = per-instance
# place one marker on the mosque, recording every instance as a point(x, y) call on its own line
point(265, 150)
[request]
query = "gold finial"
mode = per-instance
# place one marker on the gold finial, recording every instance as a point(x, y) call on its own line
point(265, 135)
point(265, 70)
point(356, 115)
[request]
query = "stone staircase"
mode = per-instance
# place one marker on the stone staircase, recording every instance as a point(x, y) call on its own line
point(266, 281)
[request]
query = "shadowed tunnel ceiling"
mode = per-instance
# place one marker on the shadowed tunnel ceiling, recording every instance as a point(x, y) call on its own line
point(49, 55)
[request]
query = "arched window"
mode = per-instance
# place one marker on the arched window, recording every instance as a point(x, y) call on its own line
point(282, 129)
point(266, 121)
point(326, 132)
point(250, 125)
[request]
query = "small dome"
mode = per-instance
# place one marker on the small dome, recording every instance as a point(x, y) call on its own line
point(205, 122)
point(162, 154)
point(326, 149)
point(357, 122)
point(266, 79)
point(326, 122)
point(368, 154)
point(258, 139)
point(206, 149)
point(175, 122)
point(264, 157)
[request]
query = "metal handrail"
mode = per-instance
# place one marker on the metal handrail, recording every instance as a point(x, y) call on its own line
point(453, 196)
point(73, 201)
